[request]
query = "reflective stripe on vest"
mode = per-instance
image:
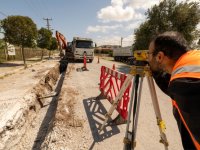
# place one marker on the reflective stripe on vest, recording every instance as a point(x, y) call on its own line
point(197, 145)
point(187, 66)
point(186, 71)
point(191, 68)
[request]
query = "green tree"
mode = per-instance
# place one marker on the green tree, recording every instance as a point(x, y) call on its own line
point(142, 35)
point(44, 39)
point(20, 31)
point(2, 44)
point(54, 44)
point(169, 15)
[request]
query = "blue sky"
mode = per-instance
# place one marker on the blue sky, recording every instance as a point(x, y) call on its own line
point(106, 21)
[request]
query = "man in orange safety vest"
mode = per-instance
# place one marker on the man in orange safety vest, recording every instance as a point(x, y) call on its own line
point(176, 70)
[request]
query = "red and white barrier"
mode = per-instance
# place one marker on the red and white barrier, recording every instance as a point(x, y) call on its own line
point(111, 82)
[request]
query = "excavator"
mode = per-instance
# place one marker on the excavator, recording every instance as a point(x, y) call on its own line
point(76, 49)
point(62, 43)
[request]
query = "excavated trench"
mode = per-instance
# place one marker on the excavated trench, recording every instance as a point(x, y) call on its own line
point(33, 121)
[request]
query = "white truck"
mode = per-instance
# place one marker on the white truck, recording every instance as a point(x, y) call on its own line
point(124, 54)
point(80, 46)
point(76, 49)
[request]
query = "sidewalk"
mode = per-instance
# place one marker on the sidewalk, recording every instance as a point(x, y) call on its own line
point(11, 67)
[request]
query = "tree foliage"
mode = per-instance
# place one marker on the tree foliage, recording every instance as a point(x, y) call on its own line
point(54, 44)
point(2, 44)
point(169, 16)
point(44, 38)
point(20, 30)
point(142, 35)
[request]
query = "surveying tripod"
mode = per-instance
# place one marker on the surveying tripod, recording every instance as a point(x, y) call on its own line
point(139, 71)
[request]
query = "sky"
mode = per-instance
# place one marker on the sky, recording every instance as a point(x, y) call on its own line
point(105, 21)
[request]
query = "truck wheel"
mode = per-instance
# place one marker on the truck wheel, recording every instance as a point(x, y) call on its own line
point(90, 60)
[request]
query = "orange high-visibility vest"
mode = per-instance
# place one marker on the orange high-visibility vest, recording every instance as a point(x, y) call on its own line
point(187, 66)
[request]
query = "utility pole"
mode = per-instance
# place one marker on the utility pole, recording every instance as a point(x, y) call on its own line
point(121, 41)
point(48, 25)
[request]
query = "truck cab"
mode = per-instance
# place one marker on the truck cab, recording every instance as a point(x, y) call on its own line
point(81, 46)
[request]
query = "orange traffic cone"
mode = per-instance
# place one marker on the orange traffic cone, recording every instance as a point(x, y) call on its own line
point(84, 68)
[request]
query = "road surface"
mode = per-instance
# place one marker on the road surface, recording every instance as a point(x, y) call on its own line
point(70, 120)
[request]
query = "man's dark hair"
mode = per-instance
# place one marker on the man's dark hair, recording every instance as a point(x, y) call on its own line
point(171, 43)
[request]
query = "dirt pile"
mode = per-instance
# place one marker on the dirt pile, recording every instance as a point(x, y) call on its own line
point(65, 119)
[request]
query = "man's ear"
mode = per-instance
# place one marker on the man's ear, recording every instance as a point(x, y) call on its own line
point(160, 56)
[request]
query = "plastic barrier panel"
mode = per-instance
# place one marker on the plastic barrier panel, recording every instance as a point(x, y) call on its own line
point(111, 82)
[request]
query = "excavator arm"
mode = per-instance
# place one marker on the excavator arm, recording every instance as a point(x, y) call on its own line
point(62, 42)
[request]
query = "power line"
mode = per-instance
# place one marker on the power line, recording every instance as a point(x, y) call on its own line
point(3, 14)
point(48, 25)
point(45, 6)
point(32, 6)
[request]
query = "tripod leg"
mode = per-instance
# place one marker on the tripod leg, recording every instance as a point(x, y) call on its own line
point(157, 112)
point(129, 140)
point(134, 127)
point(127, 133)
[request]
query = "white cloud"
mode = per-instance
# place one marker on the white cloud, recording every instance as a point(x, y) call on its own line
point(109, 40)
point(143, 4)
point(198, 26)
point(118, 12)
point(188, 0)
point(103, 29)
point(1, 35)
point(133, 25)
point(115, 40)
point(125, 10)
point(128, 40)
point(117, 2)
point(130, 13)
